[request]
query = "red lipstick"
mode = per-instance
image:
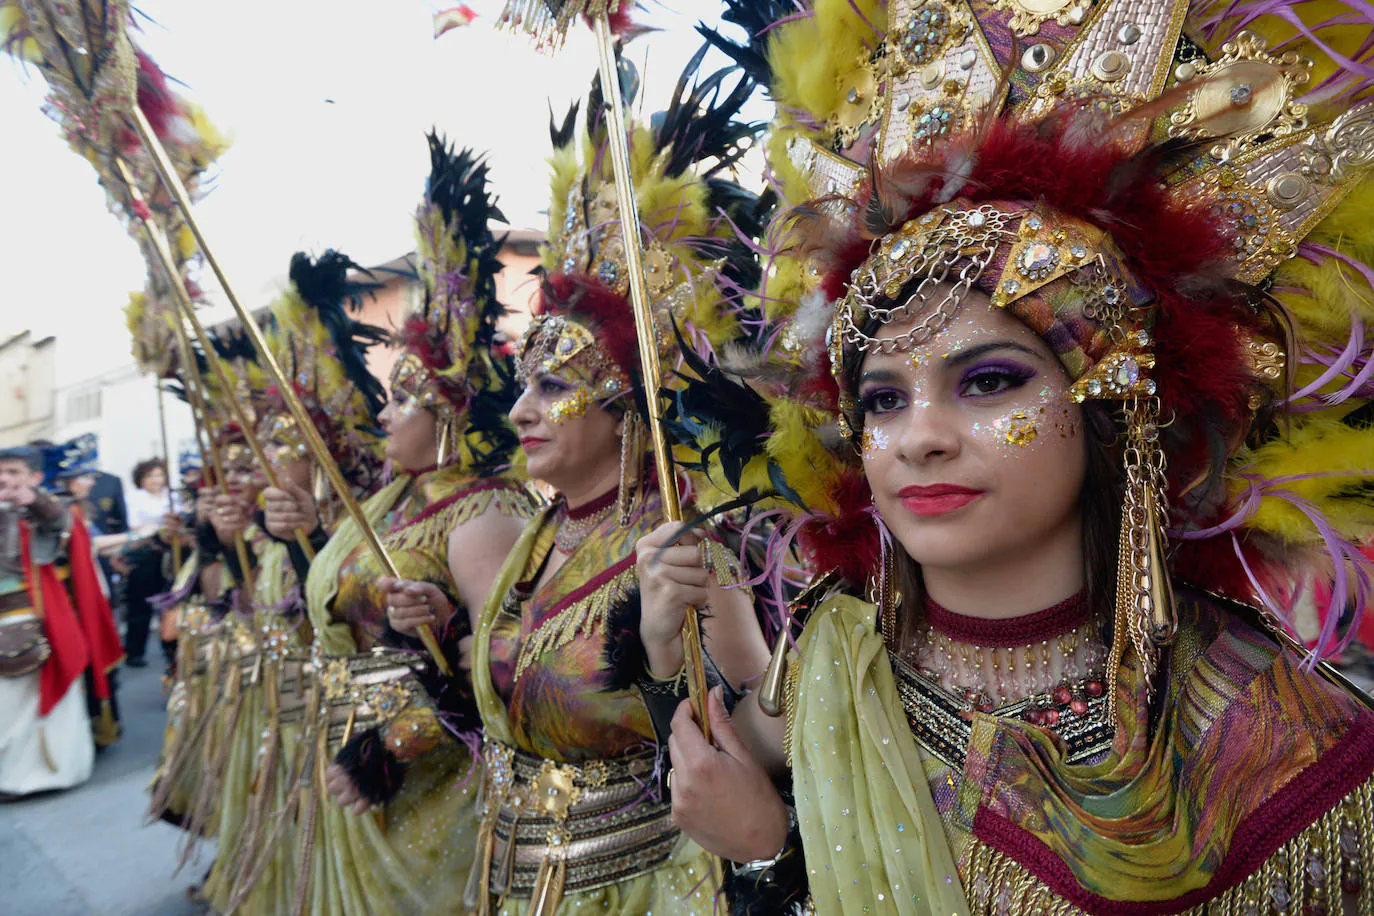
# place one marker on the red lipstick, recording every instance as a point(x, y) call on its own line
point(937, 499)
point(529, 442)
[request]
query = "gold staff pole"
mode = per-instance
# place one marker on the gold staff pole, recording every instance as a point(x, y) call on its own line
point(644, 330)
point(167, 461)
point(172, 182)
point(183, 299)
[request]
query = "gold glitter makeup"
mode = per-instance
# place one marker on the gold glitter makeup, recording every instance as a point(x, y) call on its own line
point(1019, 428)
point(874, 440)
point(570, 406)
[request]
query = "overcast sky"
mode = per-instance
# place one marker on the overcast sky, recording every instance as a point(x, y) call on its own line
point(327, 102)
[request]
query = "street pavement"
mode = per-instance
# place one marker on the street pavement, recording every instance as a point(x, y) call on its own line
point(87, 851)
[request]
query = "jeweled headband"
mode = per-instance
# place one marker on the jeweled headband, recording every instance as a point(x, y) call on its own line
point(551, 342)
point(412, 378)
point(1062, 277)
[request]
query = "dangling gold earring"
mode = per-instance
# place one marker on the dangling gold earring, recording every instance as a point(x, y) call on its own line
point(631, 469)
point(1144, 612)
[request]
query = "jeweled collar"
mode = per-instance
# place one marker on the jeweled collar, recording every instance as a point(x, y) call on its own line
point(588, 509)
point(1011, 632)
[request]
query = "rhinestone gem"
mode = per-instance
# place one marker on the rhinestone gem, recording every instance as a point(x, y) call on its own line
point(932, 74)
point(1241, 95)
point(1127, 374)
point(976, 218)
point(1128, 34)
point(967, 59)
point(1037, 57)
point(1150, 386)
point(1094, 387)
point(903, 101)
point(1076, 15)
point(1078, 252)
point(1012, 287)
point(1185, 71)
point(609, 273)
point(1111, 295)
point(1039, 259)
point(899, 249)
point(1033, 222)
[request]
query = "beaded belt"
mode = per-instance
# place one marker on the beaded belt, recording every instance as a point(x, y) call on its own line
point(596, 823)
point(355, 692)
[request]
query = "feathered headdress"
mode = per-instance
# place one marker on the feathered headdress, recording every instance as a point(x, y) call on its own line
point(1138, 183)
point(323, 351)
point(689, 211)
point(452, 362)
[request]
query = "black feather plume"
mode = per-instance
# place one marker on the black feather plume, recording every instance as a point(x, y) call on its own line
point(324, 285)
point(700, 123)
point(754, 17)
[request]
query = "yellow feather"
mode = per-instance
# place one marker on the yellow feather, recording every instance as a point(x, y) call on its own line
point(1317, 444)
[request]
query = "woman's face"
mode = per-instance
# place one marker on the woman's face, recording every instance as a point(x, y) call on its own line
point(80, 486)
point(972, 448)
point(288, 465)
point(412, 433)
point(568, 438)
point(155, 481)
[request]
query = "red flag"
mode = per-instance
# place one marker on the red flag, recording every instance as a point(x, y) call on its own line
point(93, 608)
point(69, 654)
point(458, 16)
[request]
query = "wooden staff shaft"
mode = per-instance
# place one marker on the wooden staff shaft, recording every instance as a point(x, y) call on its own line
point(172, 182)
point(167, 463)
point(644, 330)
point(158, 240)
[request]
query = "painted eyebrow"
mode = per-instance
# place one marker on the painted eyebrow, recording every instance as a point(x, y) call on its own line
point(958, 358)
point(966, 356)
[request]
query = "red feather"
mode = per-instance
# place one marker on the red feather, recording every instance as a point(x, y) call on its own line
point(848, 542)
point(591, 302)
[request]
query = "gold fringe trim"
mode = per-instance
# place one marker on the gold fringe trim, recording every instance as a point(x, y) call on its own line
point(1306, 874)
point(434, 530)
point(581, 618)
point(550, 26)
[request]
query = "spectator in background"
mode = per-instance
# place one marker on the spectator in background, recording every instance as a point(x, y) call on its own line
point(147, 505)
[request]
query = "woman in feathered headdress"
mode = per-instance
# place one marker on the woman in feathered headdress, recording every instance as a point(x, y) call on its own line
point(1069, 317)
point(447, 518)
point(323, 352)
point(575, 815)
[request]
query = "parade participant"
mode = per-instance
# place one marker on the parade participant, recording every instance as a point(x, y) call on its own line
point(1036, 337)
point(45, 734)
point(204, 700)
point(447, 520)
point(71, 468)
point(324, 353)
point(565, 729)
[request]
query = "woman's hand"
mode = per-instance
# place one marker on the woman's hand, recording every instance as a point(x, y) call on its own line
point(340, 785)
point(411, 605)
point(671, 579)
point(722, 798)
point(289, 509)
point(205, 504)
point(229, 518)
point(172, 530)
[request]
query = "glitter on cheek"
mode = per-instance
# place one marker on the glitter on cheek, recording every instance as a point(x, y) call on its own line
point(570, 406)
point(1019, 428)
point(874, 441)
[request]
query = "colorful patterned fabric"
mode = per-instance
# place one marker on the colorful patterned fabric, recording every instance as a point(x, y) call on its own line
point(1246, 753)
point(541, 684)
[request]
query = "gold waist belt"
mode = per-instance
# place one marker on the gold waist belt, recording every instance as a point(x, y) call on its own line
point(352, 692)
point(560, 828)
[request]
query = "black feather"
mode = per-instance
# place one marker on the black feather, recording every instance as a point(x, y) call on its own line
point(562, 134)
point(754, 17)
point(459, 186)
point(374, 770)
point(700, 122)
point(625, 661)
point(324, 285)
